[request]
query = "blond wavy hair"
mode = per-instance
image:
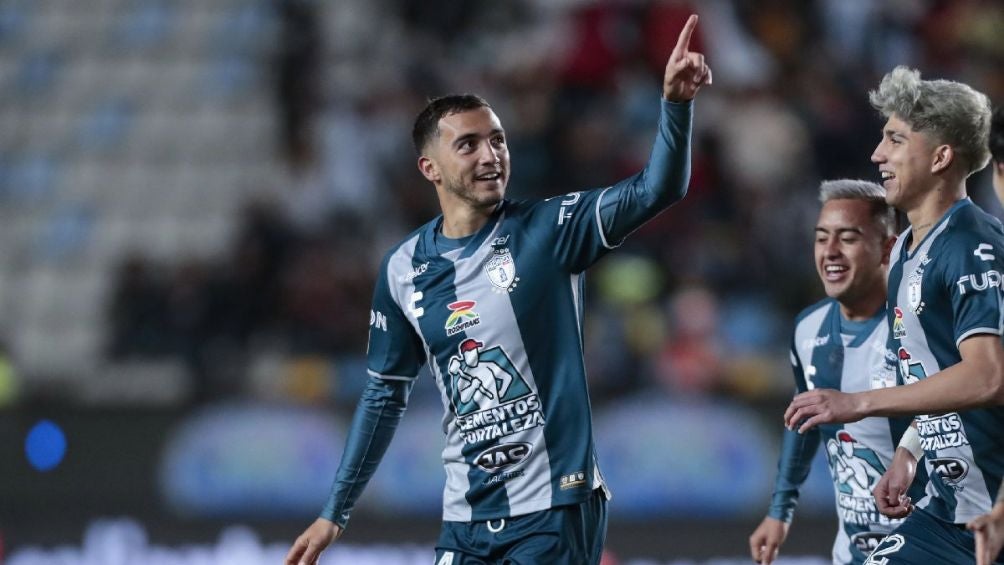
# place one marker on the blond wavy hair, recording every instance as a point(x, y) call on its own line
point(950, 112)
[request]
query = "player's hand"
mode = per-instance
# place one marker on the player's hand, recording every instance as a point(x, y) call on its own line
point(766, 540)
point(988, 530)
point(307, 548)
point(890, 492)
point(822, 406)
point(686, 71)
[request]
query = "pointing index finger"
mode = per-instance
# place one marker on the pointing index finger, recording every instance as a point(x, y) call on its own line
point(683, 43)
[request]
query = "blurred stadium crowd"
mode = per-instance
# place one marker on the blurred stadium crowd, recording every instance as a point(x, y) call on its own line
point(277, 282)
point(195, 195)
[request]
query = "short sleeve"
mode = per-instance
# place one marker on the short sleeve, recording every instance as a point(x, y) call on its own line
point(973, 276)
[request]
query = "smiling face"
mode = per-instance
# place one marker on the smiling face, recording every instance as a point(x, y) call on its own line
point(468, 160)
point(905, 158)
point(851, 251)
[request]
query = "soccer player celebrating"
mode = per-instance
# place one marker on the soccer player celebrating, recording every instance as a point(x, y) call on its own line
point(945, 317)
point(989, 528)
point(840, 344)
point(489, 295)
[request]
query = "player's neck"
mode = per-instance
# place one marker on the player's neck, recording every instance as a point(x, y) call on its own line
point(865, 307)
point(462, 221)
point(932, 208)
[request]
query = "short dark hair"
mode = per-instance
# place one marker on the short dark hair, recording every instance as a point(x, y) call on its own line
point(427, 122)
point(997, 135)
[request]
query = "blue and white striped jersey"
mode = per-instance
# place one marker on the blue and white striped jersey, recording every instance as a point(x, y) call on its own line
point(831, 352)
point(945, 290)
point(499, 322)
point(497, 317)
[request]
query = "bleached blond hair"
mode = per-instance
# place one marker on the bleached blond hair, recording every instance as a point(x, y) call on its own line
point(950, 112)
point(854, 189)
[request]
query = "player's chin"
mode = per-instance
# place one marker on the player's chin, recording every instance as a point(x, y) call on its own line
point(491, 198)
point(834, 290)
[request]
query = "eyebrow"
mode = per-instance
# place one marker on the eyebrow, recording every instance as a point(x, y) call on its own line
point(856, 230)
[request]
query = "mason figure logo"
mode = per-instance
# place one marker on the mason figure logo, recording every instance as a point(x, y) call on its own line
point(911, 371)
point(482, 379)
point(856, 467)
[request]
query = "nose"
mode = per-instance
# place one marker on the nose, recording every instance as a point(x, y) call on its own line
point(878, 155)
point(832, 247)
point(489, 154)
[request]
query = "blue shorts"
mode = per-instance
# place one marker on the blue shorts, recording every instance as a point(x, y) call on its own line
point(565, 534)
point(922, 538)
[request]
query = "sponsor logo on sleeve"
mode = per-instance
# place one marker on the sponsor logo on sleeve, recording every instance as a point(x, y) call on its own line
point(378, 320)
point(979, 282)
point(983, 252)
point(565, 211)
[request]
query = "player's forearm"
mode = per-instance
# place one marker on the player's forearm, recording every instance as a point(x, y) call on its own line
point(962, 386)
point(794, 464)
point(667, 175)
point(379, 411)
point(663, 181)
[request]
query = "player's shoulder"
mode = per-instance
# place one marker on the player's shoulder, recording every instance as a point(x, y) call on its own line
point(529, 206)
point(407, 250)
point(969, 223)
point(819, 308)
point(969, 232)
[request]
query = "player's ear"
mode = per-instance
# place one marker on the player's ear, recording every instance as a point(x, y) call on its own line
point(942, 158)
point(429, 169)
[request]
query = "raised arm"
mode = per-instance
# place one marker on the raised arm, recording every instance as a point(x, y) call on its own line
point(664, 180)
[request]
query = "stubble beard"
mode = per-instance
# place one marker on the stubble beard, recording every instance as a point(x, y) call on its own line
point(466, 192)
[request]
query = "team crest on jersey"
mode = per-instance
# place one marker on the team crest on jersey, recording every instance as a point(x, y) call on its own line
point(501, 270)
point(489, 396)
point(462, 317)
point(898, 327)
